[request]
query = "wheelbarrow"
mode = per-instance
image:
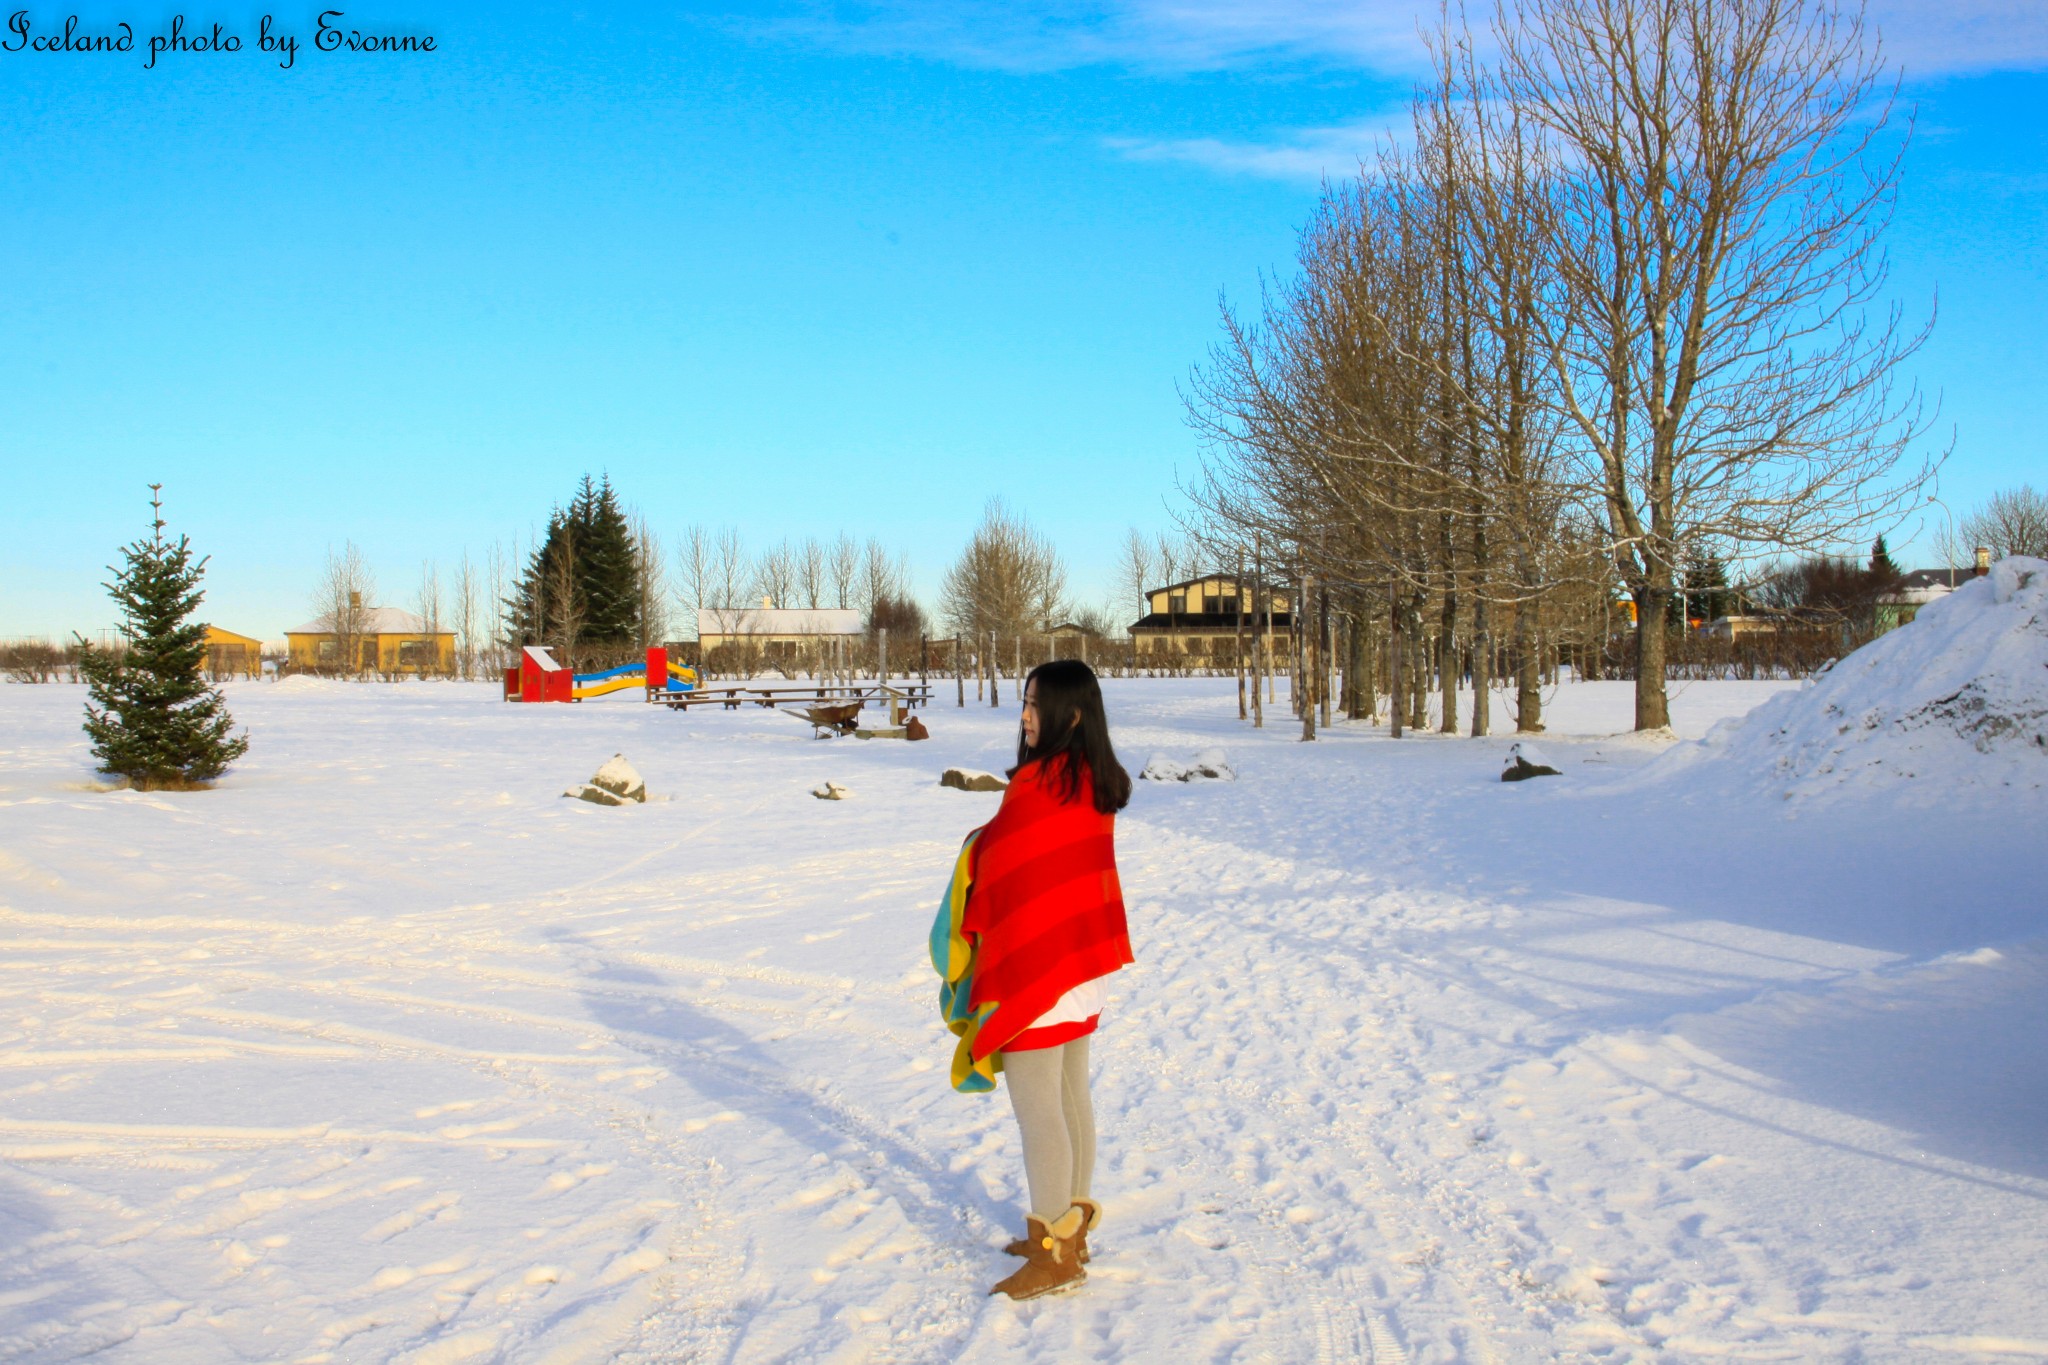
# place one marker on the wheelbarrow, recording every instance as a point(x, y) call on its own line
point(840, 718)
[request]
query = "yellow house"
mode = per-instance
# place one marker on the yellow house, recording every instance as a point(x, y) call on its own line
point(228, 654)
point(1202, 615)
point(386, 640)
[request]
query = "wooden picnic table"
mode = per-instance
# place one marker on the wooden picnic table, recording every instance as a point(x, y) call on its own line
point(732, 696)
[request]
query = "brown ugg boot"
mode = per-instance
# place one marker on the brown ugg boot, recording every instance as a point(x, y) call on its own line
point(1092, 1219)
point(1052, 1262)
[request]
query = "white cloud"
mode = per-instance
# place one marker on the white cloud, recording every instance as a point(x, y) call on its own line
point(1179, 35)
point(1929, 37)
point(1960, 37)
point(1307, 154)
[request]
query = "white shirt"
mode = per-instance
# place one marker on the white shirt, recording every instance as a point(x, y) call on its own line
point(1078, 1005)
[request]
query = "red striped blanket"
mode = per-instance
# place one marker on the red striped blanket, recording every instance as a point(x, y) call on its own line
point(1047, 911)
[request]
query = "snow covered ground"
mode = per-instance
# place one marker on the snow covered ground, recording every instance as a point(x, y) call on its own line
point(384, 1051)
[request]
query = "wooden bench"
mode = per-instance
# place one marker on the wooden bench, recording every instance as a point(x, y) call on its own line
point(733, 696)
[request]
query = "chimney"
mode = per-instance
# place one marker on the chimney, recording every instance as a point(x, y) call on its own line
point(355, 600)
point(1983, 560)
point(767, 604)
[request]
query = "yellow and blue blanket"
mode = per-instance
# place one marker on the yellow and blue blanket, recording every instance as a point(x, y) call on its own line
point(953, 960)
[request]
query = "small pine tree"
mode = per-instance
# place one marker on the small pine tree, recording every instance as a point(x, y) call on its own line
point(151, 716)
point(1884, 571)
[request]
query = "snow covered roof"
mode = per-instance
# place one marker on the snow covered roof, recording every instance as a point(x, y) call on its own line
point(1922, 586)
point(376, 621)
point(778, 621)
point(1937, 578)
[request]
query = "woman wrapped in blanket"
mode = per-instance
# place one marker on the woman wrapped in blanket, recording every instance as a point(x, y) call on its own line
point(1045, 916)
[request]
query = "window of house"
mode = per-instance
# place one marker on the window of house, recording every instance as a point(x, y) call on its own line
point(329, 650)
point(1177, 603)
point(414, 654)
point(1225, 605)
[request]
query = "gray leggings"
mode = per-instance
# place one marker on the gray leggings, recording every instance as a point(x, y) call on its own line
point(1049, 1090)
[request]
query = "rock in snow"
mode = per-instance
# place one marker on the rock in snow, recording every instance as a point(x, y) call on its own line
point(972, 780)
point(1956, 698)
point(1210, 763)
point(1525, 761)
point(614, 784)
point(831, 791)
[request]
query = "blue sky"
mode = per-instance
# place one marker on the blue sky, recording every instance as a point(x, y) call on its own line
point(796, 268)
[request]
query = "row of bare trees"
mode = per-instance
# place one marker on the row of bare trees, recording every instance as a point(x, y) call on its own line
point(1611, 306)
point(715, 568)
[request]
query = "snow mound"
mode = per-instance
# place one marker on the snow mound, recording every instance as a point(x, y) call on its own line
point(1524, 761)
point(1957, 698)
point(972, 780)
point(1209, 763)
point(614, 784)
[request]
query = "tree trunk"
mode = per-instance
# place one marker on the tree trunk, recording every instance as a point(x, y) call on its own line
point(1528, 681)
point(1653, 709)
point(1325, 661)
point(1238, 656)
point(1396, 698)
point(1447, 661)
point(1302, 683)
point(1259, 661)
point(1418, 700)
point(1482, 666)
point(1364, 704)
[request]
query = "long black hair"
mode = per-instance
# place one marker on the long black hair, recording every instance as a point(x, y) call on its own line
point(1073, 735)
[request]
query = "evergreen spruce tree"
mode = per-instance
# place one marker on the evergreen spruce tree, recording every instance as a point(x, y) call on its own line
point(581, 584)
point(151, 716)
point(609, 557)
point(1884, 571)
point(548, 607)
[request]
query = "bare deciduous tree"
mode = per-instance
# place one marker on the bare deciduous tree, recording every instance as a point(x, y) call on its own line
point(1134, 571)
point(694, 559)
point(775, 575)
point(2014, 521)
point(843, 568)
point(1009, 580)
point(811, 574)
point(344, 599)
point(730, 570)
point(650, 584)
point(1722, 181)
point(467, 616)
point(427, 606)
point(882, 575)
point(498, 581)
